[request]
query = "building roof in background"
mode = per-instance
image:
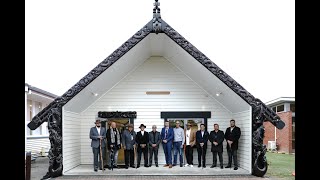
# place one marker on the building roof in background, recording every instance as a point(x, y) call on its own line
point(38, 90)
point(280, 100)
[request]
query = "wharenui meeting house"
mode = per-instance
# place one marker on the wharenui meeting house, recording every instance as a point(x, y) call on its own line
point(156, 75)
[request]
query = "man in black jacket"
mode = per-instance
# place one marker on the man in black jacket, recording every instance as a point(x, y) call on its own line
point(216, 138)
point(142, 140)
point(154, 142)
point(201, 140)
point(232, 136)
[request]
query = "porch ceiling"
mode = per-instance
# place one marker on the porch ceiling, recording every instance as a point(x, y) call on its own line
point(157, 45)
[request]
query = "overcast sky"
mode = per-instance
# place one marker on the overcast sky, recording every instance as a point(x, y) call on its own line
point(251, 40)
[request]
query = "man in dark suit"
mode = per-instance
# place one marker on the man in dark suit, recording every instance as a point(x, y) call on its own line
point(154, 142)
point(201, 140)
point(167, 139)
point(128, 143)
point(98, 134)
point(142, 140)
point(216, 138)
point(232, 136)
point(114, 144)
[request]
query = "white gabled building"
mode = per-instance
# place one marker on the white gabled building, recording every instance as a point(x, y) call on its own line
point(155, 75)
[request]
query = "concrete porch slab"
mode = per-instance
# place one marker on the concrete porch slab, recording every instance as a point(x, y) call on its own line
point(158, 171)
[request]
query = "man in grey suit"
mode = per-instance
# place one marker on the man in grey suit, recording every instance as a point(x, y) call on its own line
point(154, 141)
point(98, 134)
point(128, 143)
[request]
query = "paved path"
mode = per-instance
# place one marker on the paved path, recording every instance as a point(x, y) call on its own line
point(40, 167)
point(161, 178)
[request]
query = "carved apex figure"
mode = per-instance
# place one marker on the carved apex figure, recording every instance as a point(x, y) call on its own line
point(156, 17)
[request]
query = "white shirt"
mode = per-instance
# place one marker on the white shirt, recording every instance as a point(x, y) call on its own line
point(188, 137)
point(142, 132)
point(202, 132)
point(98, 129)
point(231, 128)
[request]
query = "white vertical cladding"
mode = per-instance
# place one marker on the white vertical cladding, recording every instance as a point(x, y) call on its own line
point(244, 122)
point(155, 74)
point(70, 140)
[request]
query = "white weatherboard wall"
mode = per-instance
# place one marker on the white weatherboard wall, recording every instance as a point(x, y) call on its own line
point(71, 140)
point(157, 74)
point(243, 121)
point(35, 144)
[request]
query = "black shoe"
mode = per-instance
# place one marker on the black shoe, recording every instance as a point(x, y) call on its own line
point(235, 168)
point(212, 166)
point(109, 168)
point(150, 165)
point(47, 176)
point(199, 166)
point(126, 167)
point(115, 167)
point(221, 167)
point(204, 166)
point(138, 166)
point(228, 166)
point(133, 166)
point(146, 165)
point(95, 170)
point(173, 164)
point(181, 165)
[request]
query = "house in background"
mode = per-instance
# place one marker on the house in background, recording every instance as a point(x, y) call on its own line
point(36, 141)
point(284, 139)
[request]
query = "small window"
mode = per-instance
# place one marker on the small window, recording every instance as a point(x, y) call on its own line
point(280, 108)
point(293, 107)
point(274, 109)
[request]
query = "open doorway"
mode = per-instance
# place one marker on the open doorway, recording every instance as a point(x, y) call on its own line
point(122, 124)
point(122, 119)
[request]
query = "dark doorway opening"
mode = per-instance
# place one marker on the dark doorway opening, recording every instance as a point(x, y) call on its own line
point(187, 116)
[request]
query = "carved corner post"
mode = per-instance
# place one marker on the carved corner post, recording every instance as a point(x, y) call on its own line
point(259, 161)
point(260, 114)
point(55, 137)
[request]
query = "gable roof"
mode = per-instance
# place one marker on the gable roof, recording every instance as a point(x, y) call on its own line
point(260, 111)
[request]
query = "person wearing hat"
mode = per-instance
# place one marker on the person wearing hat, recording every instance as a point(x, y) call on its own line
point(142, 140)
point(128, 143)
point(97, 133)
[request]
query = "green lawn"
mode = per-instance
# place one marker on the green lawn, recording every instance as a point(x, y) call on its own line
point(280, 165)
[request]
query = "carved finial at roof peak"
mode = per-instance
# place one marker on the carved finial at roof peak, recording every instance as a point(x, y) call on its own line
point(156, 17)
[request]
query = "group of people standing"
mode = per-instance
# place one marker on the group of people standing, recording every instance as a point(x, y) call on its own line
point(182, 141)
